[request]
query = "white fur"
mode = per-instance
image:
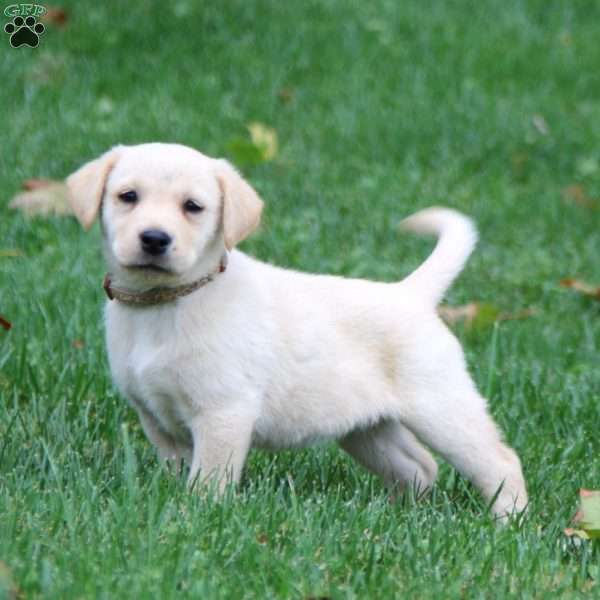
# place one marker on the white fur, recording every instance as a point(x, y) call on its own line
point(273, 358)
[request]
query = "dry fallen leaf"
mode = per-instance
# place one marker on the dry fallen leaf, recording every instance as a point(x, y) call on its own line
point(480, 314)
point(454, 314)
point(582, 287)
point(35, 184)
point(520, 163)
point(56, 15)
point(587, 518)
point(524, 313)
point(577, 194)
point(286, 95)
point(265, 139)
point(4, 323)
point(11, 253)
point(42, 197)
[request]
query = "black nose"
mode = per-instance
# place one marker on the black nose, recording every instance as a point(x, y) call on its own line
point(155, 241)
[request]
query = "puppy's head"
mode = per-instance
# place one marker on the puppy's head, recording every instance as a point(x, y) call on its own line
point(168, 212)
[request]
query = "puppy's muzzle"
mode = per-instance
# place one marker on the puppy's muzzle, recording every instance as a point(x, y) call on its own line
point(155, 241)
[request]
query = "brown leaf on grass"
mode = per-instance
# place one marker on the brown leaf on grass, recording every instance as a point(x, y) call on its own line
point(5, 323)
point(286, 95)
point(481, 314)
point(42, 197)
point(587, 518)
point(78, 344)
point(11, 253)
point(56, 15)
point(591, 291)
point(577, 194)
point(30, 185)
point(454, 314)
point(516, 315)
point(520, 163)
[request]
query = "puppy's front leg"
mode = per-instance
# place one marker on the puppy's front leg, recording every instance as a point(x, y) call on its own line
point(221, 442)
point(169, 451)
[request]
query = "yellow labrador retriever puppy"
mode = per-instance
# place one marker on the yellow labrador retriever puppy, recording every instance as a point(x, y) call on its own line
point(219, 352)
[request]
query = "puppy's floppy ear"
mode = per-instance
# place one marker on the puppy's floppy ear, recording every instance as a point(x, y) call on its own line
point(86, 186)
point(242, 206)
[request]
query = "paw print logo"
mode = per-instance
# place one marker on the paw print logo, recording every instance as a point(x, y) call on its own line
point(24, 32)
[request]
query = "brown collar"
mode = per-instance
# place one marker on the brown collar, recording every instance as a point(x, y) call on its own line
point(159, 295)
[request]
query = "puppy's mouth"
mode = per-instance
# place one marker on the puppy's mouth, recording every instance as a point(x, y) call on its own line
point(148, 268)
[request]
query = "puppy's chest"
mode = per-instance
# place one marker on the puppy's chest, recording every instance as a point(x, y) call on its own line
point(157, 372)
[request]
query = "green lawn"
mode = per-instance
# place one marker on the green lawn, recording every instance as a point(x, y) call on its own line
point(381, 108)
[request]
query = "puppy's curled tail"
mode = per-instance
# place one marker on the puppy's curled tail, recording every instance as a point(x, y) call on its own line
point(457, 237)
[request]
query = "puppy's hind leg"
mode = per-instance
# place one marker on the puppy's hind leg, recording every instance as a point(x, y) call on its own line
point(453, 420)
point(393, 452)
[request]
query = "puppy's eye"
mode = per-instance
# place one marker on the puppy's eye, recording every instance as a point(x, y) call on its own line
point(192, 206)
point(129, 197)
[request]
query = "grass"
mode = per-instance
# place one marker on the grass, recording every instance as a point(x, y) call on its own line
point(488, 107)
